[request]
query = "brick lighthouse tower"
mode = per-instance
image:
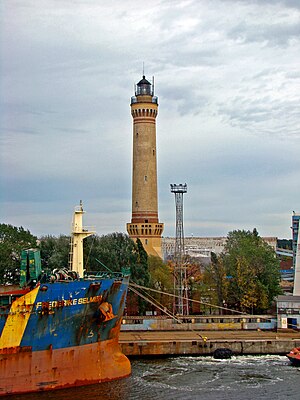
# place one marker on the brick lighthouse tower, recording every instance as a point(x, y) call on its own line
point(144, 221)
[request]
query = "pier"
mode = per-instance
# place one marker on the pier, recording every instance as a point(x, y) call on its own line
point(178, 343)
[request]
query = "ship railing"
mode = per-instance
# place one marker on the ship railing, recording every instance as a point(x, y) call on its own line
point(200, 322)
point(84, 229)
point(209, 318)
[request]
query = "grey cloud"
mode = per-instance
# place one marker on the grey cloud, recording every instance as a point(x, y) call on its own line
point(275, 34)
point(288, 3)
point(185, 99)
point(66, 79)
point(259, 116)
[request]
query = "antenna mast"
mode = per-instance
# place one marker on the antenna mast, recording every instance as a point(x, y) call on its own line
point(181, 304)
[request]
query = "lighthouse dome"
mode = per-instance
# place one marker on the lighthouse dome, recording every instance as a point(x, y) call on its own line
point(143, 87)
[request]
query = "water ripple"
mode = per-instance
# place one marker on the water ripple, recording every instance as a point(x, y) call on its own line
point(194, 378)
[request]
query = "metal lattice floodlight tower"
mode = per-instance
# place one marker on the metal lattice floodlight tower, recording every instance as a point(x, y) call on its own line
point(180, 283)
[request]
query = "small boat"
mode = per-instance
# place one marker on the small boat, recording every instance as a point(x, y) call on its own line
point(294, 356)
point(61, 329)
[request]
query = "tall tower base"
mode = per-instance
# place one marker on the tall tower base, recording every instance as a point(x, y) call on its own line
point(149, 234)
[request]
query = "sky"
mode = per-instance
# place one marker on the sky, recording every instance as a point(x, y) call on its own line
point(227, 77)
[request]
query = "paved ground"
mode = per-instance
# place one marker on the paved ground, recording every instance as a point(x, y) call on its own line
point(166, 336)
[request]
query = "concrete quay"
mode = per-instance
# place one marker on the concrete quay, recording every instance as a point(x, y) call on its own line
point(178, 343)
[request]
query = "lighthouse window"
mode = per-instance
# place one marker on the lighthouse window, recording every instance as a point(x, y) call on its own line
point(154, 152)
point(145, 178)
point(146, 241)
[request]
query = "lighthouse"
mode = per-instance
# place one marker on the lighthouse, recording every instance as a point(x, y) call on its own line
point(144, 223)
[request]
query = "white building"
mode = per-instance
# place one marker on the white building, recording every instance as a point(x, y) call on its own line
point(202, 247)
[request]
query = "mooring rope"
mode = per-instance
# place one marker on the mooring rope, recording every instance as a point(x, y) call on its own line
point(164, 310)
point(193, 300)
point(161, 308)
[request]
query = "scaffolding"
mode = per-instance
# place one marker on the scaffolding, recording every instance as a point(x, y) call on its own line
point(181, 304)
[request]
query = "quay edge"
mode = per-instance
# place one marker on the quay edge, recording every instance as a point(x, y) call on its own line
point(174, 346)
point(179, 348)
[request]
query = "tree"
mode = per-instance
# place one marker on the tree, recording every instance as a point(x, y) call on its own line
point(117, 251)
point(55, 252)
point(161, 279)
point(216, 278)
point(140, 270)
point(12, 241)
point(114, 251)
point(160, 275)
point(285, 244)
point(252, 271)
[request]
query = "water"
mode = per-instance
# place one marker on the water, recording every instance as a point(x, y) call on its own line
point(203, 378)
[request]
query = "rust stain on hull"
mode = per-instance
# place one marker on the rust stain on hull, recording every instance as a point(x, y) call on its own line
point(27, 371)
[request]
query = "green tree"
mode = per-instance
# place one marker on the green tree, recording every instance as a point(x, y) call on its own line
point(161, 279)
point(285, 244)
point(117, 251)
point(194, 282)
point(215, 277)
point(55, 252)
point(214, 285)
point(252, 271)
point(140, 270)
point(140, 273)
point(12, 241)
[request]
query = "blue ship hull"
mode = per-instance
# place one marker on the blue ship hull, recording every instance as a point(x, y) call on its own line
point(62, 334)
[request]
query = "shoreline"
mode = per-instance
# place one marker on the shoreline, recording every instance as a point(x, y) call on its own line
point(178, 343)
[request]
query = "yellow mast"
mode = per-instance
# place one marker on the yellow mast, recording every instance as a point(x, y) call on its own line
point(78, 234)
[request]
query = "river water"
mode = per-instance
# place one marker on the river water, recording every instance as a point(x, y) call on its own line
point(203, 378)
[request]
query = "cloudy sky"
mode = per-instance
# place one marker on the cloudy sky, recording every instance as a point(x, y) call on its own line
point(227, 75)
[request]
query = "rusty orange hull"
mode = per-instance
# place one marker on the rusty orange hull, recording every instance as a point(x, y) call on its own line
point(62, 334)
point(27, 371)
